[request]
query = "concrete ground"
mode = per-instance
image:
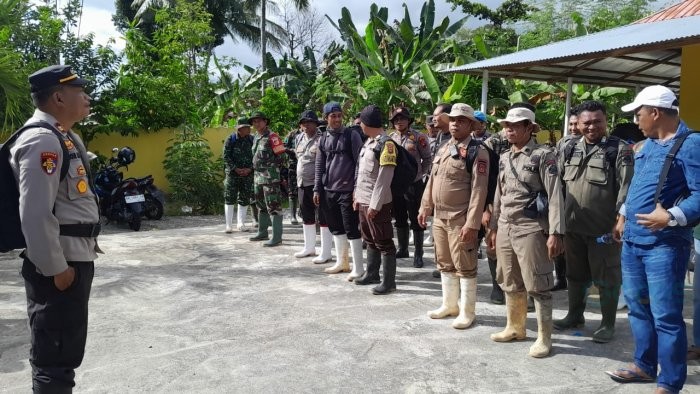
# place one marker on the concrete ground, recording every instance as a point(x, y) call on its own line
point(182, 307)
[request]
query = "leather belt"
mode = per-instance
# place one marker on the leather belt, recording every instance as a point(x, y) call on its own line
point(88, 230)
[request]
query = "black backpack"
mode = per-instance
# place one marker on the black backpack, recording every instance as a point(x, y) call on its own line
point(11, 236)
point(472, 153)
point(405, 171)
point(664, 174)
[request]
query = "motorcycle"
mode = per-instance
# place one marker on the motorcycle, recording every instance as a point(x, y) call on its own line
point(126, 200)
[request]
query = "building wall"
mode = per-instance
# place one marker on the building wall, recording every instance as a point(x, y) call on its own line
point(690, 86)
point(150, 150)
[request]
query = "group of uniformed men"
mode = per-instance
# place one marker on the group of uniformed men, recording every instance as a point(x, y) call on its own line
point(549, 203)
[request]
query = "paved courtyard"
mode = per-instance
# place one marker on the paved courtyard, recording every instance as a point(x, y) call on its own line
point(182, 307)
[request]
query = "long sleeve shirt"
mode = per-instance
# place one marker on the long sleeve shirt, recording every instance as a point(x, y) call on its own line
point(374, 174)
point(336, 160)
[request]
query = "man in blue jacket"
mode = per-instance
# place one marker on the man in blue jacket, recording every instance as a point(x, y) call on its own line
point(656, 241)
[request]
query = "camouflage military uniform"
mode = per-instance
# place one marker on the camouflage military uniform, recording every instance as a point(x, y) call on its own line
point(267, 161)
point(290, 145)
point(238, 153)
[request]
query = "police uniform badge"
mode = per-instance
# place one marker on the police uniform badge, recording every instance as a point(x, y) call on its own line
point(81, 186)
point(481, 167)
point(422, 141)
point(80, 170)
point(463, 152)
point(388, 155)
point(69, 144)
point(49, 162)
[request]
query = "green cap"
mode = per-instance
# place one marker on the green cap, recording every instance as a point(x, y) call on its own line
point(258, 115)
point(242, 122)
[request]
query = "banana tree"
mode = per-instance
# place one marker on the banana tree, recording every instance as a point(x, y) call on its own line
point(394, 51)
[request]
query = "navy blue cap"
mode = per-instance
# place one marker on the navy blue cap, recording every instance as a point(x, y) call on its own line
point(332, 107)
point(309, 115)
point(54, 75)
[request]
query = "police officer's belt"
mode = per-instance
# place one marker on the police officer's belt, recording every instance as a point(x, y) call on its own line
point(80, 230)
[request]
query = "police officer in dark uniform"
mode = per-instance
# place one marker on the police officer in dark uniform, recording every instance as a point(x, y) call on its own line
point(290, 145)
point(60, 223)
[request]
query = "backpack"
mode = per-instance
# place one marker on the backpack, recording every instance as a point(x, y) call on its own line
point(664, 173)
point(405, 171)
point(11, 236)
point(472, 153)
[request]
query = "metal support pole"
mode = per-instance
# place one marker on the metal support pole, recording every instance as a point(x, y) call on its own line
point(263, 46)
point(569, 83)
point(484, 90)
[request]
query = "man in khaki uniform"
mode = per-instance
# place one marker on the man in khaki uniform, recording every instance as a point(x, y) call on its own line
point(597, 171)
point(526, 240)
point(455, 196)
point(373, 200)
point(406, 208)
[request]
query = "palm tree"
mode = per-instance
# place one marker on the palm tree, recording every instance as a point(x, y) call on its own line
point(237, 19)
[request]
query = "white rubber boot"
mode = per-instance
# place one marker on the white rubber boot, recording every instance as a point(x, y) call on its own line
point(467, 303)
point(326, 246)
point(450, 295)
point(309, 242)
point(228, 215)
point(358, 267)
point(429, 235)
point(240, 218)
point(341, 255)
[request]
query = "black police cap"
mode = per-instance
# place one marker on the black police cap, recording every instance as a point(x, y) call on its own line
point(54, 75)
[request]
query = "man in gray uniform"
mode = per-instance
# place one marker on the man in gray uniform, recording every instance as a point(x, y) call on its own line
point(373, 200)
point(406, 208)
point(60, 224)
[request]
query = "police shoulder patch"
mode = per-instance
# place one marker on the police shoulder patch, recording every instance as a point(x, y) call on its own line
point(388, 155)
point(276, 144)
point(49, 162)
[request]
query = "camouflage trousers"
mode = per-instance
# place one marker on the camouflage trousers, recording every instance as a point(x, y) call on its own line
point(292, 184)
point(268, 198)
point(238, 190)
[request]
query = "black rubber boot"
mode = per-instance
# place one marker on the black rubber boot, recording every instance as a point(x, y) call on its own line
point(608, 307)
point(388, 284)
point(418, 245)
point(293, 208)
point(560, 271)
point(530, 304)
point(436, 274)
point(402, 237)
point(577, 304)
point(497, 297)
point(371, 275)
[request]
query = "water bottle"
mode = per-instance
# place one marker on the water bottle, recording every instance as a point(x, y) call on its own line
point(605, 239)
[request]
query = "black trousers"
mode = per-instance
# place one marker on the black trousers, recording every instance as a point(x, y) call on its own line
point(406, 208)
point(58, 325)
point(341, 218)
point(307, 209)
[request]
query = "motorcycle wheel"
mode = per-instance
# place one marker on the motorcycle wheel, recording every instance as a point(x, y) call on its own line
point(153, 209)
point(135, 223)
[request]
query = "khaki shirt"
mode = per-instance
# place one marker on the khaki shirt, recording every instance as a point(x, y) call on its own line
point(373, 186)
point(452, 190)
point(45, 201)
point(595, 186)
point(418, 146)
point(536, 165)
point(306, 149)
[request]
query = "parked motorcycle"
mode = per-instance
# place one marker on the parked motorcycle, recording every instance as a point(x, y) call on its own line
point(126, 200)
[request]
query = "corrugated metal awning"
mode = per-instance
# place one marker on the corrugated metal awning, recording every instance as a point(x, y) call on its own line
point(632, 55)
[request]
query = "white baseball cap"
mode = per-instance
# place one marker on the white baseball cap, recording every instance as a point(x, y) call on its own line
point(517, 115)
point(655, 96)
point(461, 109)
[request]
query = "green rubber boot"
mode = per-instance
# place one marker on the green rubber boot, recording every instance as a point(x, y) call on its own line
point(276, 231)
point(578, 293)
point(608, 308)
point(263, 224)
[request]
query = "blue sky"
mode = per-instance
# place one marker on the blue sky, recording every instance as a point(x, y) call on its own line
point(97, 16)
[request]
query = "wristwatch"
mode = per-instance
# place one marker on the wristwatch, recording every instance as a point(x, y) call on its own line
point(672, 220)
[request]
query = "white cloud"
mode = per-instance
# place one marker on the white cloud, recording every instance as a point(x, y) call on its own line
point(99, 22)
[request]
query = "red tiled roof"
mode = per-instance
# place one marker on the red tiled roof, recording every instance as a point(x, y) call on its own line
point(681, 10)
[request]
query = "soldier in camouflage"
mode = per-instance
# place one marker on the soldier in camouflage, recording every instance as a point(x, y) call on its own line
point(290, 145)
point(267, 162)
point(238, 181)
